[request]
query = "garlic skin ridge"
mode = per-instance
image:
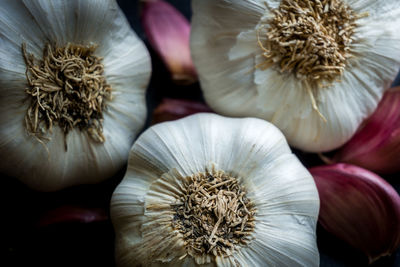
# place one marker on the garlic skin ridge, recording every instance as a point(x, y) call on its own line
point(127, 69)
point(252, 150)
point(225, 52)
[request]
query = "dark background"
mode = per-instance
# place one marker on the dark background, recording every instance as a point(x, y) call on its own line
point(24, 243)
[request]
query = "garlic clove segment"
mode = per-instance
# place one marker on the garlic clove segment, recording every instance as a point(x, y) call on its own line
point(256, 200)
point(173, 109)
point(237, 51)
point(43, 140)
point(376, 146)
point(168, 32)
point(359, 207)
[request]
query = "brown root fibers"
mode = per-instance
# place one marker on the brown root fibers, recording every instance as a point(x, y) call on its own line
point(214, 215)
point(66, 88)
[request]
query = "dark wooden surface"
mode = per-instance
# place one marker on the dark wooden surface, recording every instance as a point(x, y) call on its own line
point(23, 243)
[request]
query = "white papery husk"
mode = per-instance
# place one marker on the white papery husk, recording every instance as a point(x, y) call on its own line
point(127, 69)
point(225, 52)
point(252, 150)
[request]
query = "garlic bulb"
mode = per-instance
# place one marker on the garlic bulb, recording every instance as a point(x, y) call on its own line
point(315, 69)
point(215, 191)
point(73, 77)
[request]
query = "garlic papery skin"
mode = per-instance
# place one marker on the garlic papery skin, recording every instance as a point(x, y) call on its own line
point(376, 146)
point(61, 160)
point(359, 207)
point(255, 154)
point(226, 43)
point(168, 32)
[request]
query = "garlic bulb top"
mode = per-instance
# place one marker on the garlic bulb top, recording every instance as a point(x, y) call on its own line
point(215, 191)
point(315, 69)
point(73, 77)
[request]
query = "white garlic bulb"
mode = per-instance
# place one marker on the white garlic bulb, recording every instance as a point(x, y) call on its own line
point(315, 69)
point(215, 191)
point(73, 77)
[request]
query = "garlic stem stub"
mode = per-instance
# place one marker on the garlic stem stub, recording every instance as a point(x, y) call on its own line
point(168, 32)
point(315, 69)
point(73, 77)
point(359, 207)
point(215, 191)
point(376, 146)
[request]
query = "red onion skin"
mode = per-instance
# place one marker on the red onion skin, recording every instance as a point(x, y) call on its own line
point(376, 146)
point(359, 207)
point(72, 214)
point(173, 109)
point(168, 32)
